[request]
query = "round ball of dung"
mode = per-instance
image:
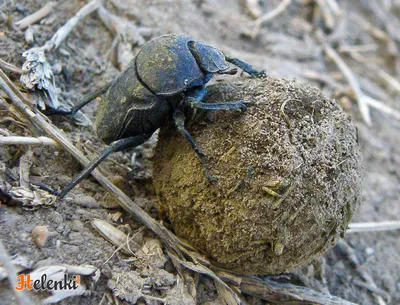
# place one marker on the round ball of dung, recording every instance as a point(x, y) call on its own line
point(288, 170)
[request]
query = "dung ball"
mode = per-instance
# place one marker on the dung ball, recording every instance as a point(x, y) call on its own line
point(288, 170)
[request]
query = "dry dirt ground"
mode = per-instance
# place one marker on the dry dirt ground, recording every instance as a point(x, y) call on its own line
point(286, 46)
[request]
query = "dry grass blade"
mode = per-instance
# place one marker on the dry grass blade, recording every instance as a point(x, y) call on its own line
point(230, 297)
point(116, 237)
point(362, 98)
point(16, 140)
point(253, 8)
point(327, 14)
point(370, 28)
point(373, 226)
point(334, 6)
point(10, 67)
point(40, 14)
point(269, 16)
point(25, 164)
point(349, 252)
point(381, 107)
point(278, 293)
point(393, 82)
point(64, 31)
point(21, 297)
point(126, 30)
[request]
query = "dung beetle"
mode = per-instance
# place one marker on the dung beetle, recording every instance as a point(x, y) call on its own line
point(168, 75)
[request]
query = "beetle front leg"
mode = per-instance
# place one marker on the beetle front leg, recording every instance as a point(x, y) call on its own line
point(194, 97)
point(244, 66)
point(179, 121)
point(113, 147)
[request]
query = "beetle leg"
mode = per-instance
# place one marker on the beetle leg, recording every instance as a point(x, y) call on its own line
point(90, 97)
point(244, 66)
point(113, 147)
point(194, 97)
point(86, 100)
point(179, 121)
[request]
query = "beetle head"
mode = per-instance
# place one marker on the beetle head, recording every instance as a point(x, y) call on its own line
point(208, 58)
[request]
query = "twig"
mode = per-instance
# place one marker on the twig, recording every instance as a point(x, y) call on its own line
point(362, 99)
point(253, 8)
point(21, 297)
point(382, 107)
point(40, 14)
point(373, 226)
point(10, 67)
point(16, 140)
point(334, 6)
point(324, 79)
point(359, 48)
point(280, 293)
point(346, 249)
point(64, 31)
point(269, 16)
point(371, 288)
point(327, 14)
point(125, 30)
point(36, 69)
point(368, 100)
point(389, 79)
point(127, 35)
point(370, 28)
point(25, 164)
point(116, 237)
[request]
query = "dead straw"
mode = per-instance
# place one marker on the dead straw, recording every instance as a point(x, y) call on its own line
point(35, 17)
point(269, 16)
point(21, 297)
point(16, 140)
point(10, 67)
point(64, 31)
point(373, 226)
point(362, 99)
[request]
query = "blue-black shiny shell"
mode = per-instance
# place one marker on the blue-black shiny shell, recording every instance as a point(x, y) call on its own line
point(209, 58)
point(123, 106)
point(166, 65)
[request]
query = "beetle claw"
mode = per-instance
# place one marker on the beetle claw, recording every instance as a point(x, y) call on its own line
point(210, 178)
point(242, 107)
point(260, 74)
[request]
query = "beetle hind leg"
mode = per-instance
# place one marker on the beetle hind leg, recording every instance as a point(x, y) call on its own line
point(113, 147)
point(194, 99)
point(179, 121)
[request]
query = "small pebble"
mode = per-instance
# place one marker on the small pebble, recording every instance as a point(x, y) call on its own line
point(76, 238)
point(55, 218)
point(369, 251)
point(70, 249)
point(77, 225)
point(40, 236)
